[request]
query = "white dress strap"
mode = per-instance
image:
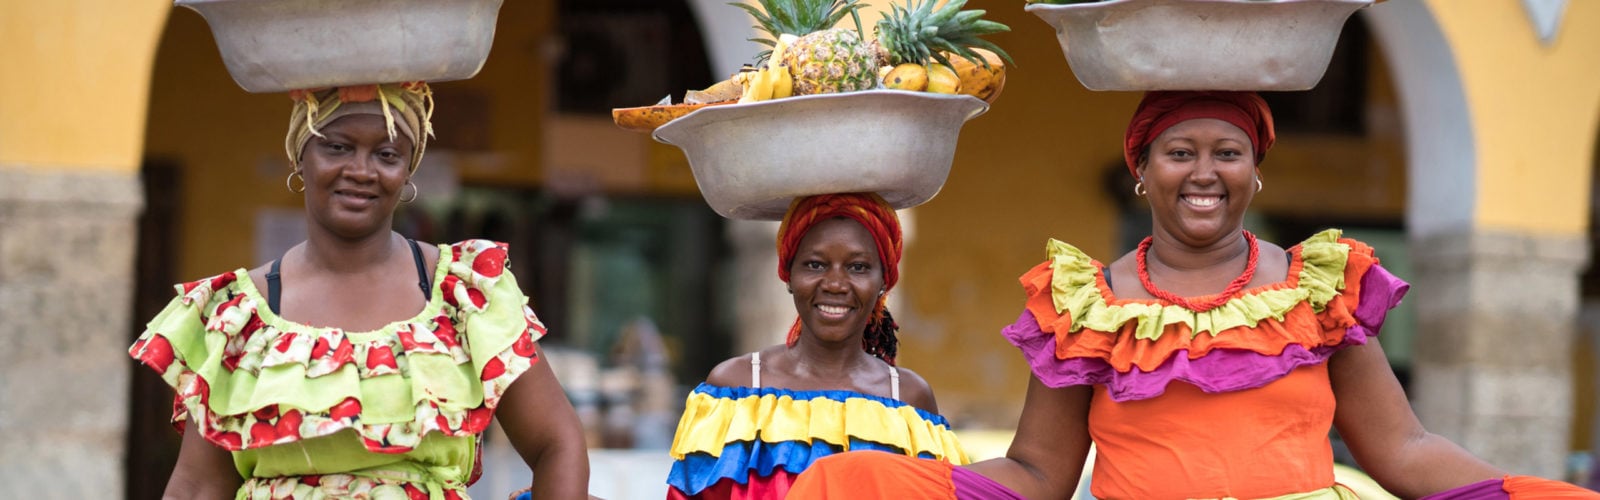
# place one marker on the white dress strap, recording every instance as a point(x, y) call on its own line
point(755, 370)
point(894, 383)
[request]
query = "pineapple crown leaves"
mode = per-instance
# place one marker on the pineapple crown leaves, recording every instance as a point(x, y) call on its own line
point(798, 18)
point(919, 33)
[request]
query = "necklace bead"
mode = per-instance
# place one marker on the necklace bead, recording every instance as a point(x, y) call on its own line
point(1233, 287)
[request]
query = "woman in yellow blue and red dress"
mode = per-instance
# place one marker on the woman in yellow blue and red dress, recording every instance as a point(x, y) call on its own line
point(1206, 363)
point(762, 418)
point(361, 364)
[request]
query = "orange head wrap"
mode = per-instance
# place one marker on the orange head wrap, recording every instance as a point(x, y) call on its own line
point(1161, 110)
point(873, 213)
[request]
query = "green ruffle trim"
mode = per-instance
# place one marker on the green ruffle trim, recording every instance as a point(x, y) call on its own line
point(1076, 293)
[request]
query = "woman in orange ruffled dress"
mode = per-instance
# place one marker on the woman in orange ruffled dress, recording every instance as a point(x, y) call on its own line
point(1206, 363)
point(361, 364)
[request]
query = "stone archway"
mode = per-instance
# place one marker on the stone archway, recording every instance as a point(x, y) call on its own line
point(1496, 308)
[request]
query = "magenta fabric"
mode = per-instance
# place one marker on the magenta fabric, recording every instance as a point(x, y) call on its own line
point(1488, 489)
point(973, 486)
point(1222, 370)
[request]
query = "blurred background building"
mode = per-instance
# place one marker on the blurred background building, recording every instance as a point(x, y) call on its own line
point(1459, 137)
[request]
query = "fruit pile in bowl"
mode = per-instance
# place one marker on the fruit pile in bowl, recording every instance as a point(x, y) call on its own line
point(919, 46)
point(828, 111)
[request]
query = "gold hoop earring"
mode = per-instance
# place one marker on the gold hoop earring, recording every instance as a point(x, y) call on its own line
point(415, 192)
point(1139, 190)
point(288, 182)
point(1258, 184)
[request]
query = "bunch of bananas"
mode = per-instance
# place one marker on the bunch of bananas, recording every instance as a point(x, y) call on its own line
point(772, 81)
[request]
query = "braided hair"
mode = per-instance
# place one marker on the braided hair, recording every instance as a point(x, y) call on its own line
point(872, 212)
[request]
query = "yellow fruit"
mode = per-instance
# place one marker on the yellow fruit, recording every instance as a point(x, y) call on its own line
point(782, 82)
point(943, 80)
point(907, 76)
point(759, 88)
point(978, 81)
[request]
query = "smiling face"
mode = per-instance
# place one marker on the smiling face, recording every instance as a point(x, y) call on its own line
point(836, 276)
point(354, 175)
point(1201, 177)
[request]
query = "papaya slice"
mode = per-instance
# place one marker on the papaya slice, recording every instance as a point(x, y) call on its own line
point(647, 118)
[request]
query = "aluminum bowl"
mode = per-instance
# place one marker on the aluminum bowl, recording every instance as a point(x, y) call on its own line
point(751, 160)
point(1199, 44)
point(279, 45)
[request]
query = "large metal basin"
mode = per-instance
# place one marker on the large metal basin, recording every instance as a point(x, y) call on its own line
point(1199, 44)
point(751, 160)
point(279, 45)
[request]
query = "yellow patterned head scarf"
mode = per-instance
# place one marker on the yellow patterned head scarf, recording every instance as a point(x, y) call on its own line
point(406, 108)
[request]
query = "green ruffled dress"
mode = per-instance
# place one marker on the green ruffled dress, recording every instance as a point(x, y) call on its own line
point(312, 412)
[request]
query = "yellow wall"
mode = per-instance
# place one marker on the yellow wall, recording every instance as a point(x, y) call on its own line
point(76, 73)
point(1534, 111)
point(229, 143)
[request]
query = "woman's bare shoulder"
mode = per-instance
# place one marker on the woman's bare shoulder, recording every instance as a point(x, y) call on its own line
point(915, 391)
point(732, 372)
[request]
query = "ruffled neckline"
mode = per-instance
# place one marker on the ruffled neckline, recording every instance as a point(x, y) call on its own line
point(739, 434)
point(255, 379)
point(1074, 331)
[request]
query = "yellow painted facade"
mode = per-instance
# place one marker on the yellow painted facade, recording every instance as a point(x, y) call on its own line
point(75, 82)
point(1535, 151)
point(87, 91)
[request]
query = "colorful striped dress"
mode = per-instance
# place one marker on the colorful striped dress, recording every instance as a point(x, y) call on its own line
point(751, 443)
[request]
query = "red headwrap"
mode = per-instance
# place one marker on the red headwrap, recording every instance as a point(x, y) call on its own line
point(873, 213)
point(1161, 110)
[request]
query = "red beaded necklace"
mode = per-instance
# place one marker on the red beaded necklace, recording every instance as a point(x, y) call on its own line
point(1216, 300)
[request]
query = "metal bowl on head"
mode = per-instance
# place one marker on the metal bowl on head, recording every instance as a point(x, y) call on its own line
point(279, 45)
point(751, 160)
point(1199, 44)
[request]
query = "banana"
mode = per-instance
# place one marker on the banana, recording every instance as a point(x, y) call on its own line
point(773, 81)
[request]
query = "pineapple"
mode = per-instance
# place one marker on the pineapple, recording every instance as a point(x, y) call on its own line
point(823, 59)
point(918, 33)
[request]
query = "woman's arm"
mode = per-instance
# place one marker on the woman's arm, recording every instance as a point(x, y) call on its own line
point(203, 470)
point(1384, 434)
point(1052, 442)
point(545, 430)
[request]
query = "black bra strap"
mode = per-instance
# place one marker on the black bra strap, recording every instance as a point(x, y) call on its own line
point(274, 289)
point(424, 281)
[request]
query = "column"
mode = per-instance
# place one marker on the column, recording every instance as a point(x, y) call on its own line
point(67, 241)
point(1496, 317)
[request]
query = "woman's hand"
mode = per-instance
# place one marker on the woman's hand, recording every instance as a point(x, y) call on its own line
point(545, 430)
point(203, 470)
point(1384, 434)
point(1052, 442)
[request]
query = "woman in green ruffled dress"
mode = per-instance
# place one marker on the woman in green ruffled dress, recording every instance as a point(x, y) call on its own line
point(360, 364)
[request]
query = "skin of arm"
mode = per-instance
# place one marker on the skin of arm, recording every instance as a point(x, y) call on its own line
point(203, 470)
point(916, 392)
point(545, 430)
point(1384, 434)
point(1052, 442)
